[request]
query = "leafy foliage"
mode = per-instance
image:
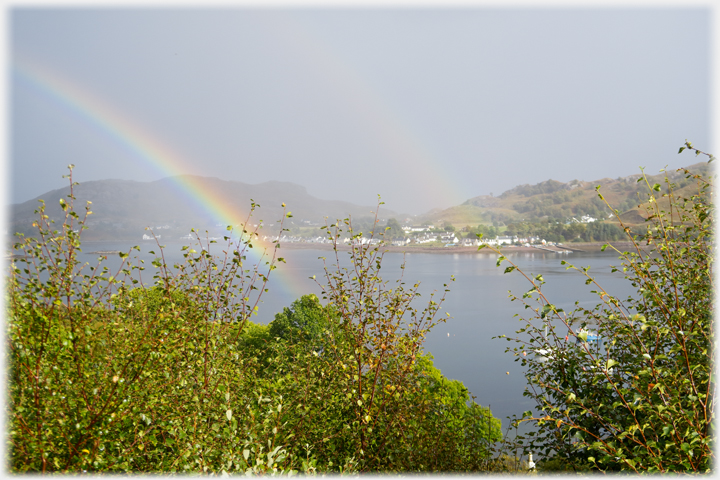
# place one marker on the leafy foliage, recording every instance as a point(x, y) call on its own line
point(642, 398)
point(108, 374)
point(371, 398)
point(107, 377)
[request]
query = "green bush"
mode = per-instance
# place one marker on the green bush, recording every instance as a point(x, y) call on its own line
point(371, 398)
point(110, 375)
point(644, 400)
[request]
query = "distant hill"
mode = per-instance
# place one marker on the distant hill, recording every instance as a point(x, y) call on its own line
point(123, 208)
point(553, 199)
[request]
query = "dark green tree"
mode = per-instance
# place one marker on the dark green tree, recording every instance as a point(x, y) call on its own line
point(306, 321)
point(393, 230)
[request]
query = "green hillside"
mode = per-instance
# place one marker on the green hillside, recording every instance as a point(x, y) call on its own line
point(557, 201)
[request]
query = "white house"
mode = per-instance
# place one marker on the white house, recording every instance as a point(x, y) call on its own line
point(417, 228)
point(583, 219)
point(449, 238)
point(505, 239)
point(487, 241)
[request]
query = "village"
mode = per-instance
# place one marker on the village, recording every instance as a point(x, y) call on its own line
point(425, 236)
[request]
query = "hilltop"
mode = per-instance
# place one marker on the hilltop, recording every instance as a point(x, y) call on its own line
point(558, 200)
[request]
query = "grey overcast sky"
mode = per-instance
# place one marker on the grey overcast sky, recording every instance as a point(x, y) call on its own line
point(425, 106)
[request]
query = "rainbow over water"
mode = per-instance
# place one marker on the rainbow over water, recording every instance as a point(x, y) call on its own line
point(149, 149)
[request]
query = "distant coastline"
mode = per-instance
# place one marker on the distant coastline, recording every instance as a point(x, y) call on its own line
point(591, 247)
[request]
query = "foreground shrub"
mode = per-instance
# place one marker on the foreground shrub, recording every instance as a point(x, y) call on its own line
point(110, 374)
point(641, 398)
point(367, 394)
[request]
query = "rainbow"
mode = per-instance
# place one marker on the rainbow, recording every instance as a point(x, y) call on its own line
point(412, 158)
point(152, 151)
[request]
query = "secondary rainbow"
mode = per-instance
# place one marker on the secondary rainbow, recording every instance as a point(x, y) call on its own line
point(412, 158)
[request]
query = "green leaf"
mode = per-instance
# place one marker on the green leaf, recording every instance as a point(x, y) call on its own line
point(545, 310)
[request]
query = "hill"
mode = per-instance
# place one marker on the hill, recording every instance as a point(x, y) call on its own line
point(557, 200)
point(123, 208)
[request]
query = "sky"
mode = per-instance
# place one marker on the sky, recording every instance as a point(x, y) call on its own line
point(426, 107)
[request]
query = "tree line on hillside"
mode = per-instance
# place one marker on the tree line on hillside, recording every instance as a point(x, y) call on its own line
point(563, 201)
point(562, 204)
point(551, 231)
point(571, 232)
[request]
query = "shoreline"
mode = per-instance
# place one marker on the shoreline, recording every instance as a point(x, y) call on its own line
point(590, 247)
point(585, 247)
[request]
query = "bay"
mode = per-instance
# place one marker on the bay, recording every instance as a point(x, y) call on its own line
point(463, 347)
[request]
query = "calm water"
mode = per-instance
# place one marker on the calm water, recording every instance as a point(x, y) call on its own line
point(478, 302)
